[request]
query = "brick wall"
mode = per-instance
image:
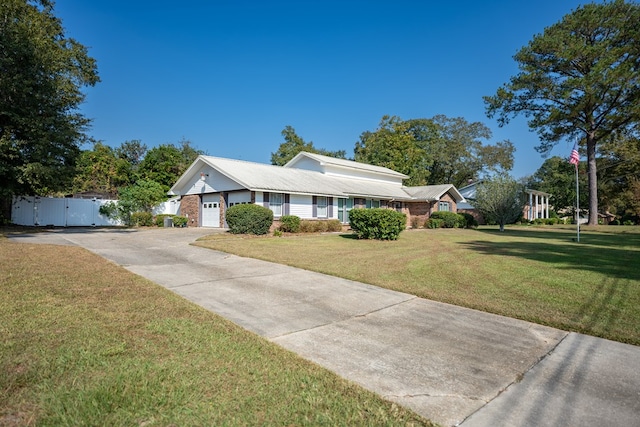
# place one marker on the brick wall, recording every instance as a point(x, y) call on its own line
point(223, 208)
point(190, 207)
point(418, 213)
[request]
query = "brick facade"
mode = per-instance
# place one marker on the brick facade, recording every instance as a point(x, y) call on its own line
point(223, 208)
point(419, 212)
point(190, 207)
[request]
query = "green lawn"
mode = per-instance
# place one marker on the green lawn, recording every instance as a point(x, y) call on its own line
point(539, 274)
point(84, 342)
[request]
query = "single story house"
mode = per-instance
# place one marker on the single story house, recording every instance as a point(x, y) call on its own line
point(310, 186)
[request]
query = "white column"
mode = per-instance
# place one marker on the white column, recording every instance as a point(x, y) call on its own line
point(530, 206)
point(547, 198)
point(537, 207)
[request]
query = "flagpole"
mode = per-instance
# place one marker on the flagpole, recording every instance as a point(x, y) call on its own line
point(577, 205)
point(574, 159)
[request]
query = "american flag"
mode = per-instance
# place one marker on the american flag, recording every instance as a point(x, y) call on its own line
point(574, 158)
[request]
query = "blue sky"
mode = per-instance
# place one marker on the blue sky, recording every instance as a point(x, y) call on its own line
point(230, 75)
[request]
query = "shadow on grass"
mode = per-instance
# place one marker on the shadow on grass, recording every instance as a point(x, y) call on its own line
point(350, 236)
point(614, 255)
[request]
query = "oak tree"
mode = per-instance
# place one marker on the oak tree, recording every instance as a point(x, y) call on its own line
point(42, 74)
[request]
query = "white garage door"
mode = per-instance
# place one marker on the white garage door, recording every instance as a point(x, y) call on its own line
point(211, 210)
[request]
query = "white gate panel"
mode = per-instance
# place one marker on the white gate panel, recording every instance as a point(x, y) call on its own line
point(49, 211)
point(22, 210)
point(81, 212)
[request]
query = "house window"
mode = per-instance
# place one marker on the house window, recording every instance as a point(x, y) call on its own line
point(375, 203)
point(444, 206)
point(275, 204)
point(344, 206)
point(322, 207)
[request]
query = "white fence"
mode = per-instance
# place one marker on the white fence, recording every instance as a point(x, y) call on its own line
point(58, 212)
point(66, 212)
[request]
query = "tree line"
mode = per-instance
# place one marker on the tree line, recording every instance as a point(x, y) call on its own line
point(578, 80)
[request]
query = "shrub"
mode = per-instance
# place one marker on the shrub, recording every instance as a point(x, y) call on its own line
point(249, 219)
point(141, 219)
point(289, 224)
point(434, 223)
point(306, 226)
point(469, 220)
point(450, 219)
point(615, 222)
point(381, 224)
point(159, 220)
point(320, 226)
point(334, 225)
point(180, 221)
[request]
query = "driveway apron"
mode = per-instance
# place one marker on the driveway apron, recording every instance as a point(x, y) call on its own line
point(453, 365)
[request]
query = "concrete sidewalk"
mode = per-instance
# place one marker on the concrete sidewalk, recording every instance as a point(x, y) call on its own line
point(452, 365)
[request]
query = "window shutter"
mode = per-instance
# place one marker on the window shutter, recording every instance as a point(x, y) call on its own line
point(265, 200)
point(287, 201)
point(330, 207)
point(315, 207)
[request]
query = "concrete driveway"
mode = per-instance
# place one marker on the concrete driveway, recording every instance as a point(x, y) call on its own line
point(452, 365)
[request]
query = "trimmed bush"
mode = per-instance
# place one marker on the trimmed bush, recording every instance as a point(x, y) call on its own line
point(289, 224)
point(380, 224)
point(470, 221)
point(450, 219)
point(320, 226)
point(141, 219)
point(249, 219)
point(334, 225)
point(434, 223)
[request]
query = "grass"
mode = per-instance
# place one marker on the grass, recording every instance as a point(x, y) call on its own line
point(538, 274)
point(84, 342)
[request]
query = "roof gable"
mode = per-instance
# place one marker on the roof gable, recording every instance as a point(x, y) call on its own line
point(327, 163)
point(434, 192)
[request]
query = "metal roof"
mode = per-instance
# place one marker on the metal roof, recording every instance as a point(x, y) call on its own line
point(433, 192)
point(263, 177)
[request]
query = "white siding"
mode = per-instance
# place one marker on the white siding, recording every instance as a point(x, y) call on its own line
point(301, 206)
point(239, 197)
point(309, 164)
point(361, 174)
point(259, 198)
point(213, 182)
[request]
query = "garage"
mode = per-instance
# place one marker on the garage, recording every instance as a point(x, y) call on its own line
point(211, 210)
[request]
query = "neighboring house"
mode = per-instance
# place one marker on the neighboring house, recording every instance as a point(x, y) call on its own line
point(536, 206)
point(310, 186)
